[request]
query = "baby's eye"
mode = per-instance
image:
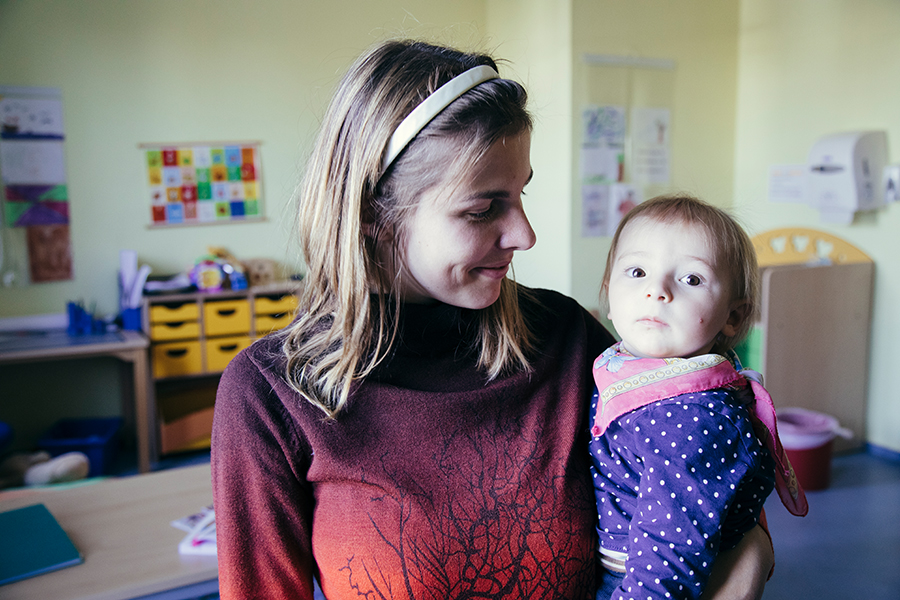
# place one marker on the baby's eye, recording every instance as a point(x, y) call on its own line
point(691, 280)
point(636, 272)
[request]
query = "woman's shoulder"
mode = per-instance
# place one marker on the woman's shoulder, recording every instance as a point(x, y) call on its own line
point(265, 354)
point(260, 365)
point(554, 310)
point(254, 389)
point(549, 302)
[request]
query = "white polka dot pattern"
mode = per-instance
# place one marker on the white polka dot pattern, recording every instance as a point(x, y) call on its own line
point(675, 481)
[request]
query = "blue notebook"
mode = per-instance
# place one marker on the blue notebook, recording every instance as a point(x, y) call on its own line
point(33, 543)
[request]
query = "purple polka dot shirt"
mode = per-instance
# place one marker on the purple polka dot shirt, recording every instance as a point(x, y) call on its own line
point(676, 481)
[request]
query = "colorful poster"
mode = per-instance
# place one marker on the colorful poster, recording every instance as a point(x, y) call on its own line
point(603, 144)
point(32, 163)
point(192, 184)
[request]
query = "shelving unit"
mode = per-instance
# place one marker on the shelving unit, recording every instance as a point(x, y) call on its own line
point(193, 336)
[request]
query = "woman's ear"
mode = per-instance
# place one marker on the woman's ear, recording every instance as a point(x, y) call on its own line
point(368, 220)
point(370, 230)
point(740, 311)
point(371, 227)
point(377, 234)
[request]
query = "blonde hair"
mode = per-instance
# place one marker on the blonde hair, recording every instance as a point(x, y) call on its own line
point(734, 251)
point(347, 207)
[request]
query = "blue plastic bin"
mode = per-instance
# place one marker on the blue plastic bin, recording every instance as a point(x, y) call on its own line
point(95, 437)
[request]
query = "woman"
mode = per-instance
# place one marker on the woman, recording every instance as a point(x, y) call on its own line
point(418, 432)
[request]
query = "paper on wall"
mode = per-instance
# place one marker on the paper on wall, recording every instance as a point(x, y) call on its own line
point(651, 131)
point(787, 183)
point(32, 162)
point(603, 206)
point(603, 144)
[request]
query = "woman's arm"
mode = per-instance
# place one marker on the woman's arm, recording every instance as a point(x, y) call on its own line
point(741, 573)
point(263, 509)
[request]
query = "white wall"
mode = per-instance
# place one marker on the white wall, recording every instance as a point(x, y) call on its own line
point(806, 70)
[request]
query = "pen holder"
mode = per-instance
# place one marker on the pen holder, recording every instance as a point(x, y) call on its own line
point(131, 319)
point(81, 322)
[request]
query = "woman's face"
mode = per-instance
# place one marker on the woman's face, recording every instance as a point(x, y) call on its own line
point(460, 240)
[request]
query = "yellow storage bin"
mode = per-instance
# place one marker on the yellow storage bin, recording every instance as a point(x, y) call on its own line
point(226, 317)
point(175, 330)
point(266, 324)
point(173, 312)
point(173, 359)
point(274, 304)
point(220, 351)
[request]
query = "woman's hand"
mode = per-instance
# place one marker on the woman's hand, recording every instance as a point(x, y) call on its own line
point(741, 573)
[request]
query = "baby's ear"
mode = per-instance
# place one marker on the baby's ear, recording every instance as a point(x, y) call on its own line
point(740, 311)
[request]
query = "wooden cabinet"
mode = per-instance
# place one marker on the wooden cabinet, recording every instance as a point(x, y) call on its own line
point(812, 341)
point(192, 339)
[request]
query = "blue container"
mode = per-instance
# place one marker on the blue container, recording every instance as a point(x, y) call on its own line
point(95, 437)
point(131, 319)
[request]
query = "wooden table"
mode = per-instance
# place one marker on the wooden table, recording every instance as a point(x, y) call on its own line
point(130, 347)
point(122, 527)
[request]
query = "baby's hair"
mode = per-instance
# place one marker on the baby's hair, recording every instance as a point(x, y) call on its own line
point(348, 209)
point(733, 249)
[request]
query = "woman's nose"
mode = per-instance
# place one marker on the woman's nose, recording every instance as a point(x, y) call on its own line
point(517, 234)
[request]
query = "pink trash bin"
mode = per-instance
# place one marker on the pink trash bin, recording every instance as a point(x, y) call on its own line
point(807, 437)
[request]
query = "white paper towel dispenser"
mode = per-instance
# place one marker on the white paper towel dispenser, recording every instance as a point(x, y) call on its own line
point(845, 174)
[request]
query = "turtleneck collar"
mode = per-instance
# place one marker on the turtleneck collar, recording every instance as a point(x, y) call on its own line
point(433, 329)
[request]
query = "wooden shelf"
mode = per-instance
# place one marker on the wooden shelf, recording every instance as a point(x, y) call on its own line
point(193, 336)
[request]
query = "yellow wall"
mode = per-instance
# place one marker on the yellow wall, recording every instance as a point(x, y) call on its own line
point(196, 70)
point(535, 36)
point(806, 70)
point(757, 82)
point(181, 71)
point(701, 38)
point(170, 71)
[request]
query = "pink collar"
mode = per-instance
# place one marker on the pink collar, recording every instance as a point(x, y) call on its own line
point(626, 382)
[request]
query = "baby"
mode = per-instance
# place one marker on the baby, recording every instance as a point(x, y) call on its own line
point(683, 440)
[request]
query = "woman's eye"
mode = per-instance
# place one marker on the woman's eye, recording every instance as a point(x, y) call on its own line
point(692, 280)
point(482, 215)
point(636, 272)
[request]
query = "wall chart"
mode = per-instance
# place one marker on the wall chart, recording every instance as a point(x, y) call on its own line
point(33, 167)
point(202, 183)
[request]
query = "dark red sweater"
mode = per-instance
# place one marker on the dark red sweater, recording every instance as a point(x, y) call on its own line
point(432, 484)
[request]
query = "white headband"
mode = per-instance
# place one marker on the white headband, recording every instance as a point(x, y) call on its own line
point(422, 115)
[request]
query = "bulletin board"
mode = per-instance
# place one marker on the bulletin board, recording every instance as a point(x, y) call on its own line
point(35, 195)
point(625, 136)
point(203, 183)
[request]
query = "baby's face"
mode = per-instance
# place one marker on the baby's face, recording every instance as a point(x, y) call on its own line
point(667, 298)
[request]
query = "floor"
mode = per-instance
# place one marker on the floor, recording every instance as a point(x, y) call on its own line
point(847, 547)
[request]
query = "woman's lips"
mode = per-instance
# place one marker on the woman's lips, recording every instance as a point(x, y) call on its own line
point(494, 271)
